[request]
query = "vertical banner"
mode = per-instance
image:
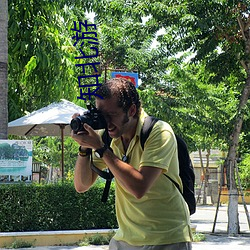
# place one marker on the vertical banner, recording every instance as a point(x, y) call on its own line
point(133, 77)
point(16, 157)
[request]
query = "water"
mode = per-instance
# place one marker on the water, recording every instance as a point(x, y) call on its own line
point(16, 167)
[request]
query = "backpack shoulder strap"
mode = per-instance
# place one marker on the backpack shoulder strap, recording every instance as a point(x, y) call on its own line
point(147, 127)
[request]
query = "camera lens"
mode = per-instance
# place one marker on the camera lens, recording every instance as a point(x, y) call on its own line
point(76, 124)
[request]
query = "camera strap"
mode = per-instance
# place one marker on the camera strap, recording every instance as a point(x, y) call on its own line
point(107, 175)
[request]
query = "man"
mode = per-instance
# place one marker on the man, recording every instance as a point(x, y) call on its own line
point(150, 210)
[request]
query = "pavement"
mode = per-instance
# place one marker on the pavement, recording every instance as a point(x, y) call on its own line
point(203, 219)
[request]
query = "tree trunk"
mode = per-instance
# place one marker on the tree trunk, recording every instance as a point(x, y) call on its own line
point(204, 199)
point(207, 172)
point(3, 69)
point(233, 218)
point(233, 215)
point(231, 161)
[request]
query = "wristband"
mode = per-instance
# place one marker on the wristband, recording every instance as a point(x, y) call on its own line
point(85, 152)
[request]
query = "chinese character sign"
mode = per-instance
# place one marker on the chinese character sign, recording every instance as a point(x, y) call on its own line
point(16, 157)
point(133, 77)
point(85, 35)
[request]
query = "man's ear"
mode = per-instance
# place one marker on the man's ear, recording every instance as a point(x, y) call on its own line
point(132, 110)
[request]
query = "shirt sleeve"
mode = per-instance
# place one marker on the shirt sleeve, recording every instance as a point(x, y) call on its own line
point(160, 149)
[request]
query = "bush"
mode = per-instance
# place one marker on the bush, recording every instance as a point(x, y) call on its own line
point(244, 172)
point(37, 207)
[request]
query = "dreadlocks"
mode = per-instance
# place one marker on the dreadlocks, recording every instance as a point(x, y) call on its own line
point(125, 92)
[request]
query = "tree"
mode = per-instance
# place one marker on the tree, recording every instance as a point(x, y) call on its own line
point(41, 53)
point(231, 33)
point(41, 65)
point(203, 111)
point(3, 69)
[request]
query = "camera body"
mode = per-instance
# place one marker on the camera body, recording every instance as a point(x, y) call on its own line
point(92, 117)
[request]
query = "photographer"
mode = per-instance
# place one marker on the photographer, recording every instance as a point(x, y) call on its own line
point(150, 210)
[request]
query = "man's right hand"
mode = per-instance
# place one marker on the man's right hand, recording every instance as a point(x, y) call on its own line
point(88, 138)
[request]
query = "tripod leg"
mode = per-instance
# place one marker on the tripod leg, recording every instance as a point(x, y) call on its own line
point(242, 196)
point(218, 202)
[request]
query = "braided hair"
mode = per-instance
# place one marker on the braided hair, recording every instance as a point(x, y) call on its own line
point(125, 92)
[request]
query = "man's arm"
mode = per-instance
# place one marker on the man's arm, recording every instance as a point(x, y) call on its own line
point(84, 176)
point(137, 182)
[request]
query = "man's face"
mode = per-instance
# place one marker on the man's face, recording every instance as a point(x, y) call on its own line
point(117, 120)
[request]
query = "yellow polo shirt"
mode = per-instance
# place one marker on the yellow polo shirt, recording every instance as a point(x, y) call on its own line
point(161, 216)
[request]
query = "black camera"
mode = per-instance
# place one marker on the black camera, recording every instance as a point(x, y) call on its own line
point(92, 117)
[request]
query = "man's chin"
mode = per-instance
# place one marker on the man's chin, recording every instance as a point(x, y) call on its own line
point(113, 133)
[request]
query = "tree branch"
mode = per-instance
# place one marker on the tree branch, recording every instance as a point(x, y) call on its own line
point(241, 24)
point(223, 32)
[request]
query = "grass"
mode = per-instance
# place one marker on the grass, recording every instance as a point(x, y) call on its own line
point(104, 240)
point(19, 244)
point(197, 237)
point(97, 239)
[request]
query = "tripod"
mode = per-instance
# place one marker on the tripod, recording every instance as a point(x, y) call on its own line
point(241, 193)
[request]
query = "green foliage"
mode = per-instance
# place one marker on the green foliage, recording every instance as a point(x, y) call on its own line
point(97, 239)
point(244, 167)
point(125, 39)
point(201, 101)
point(54, 207)
point(197, 237)
point(195, 108)
point(41, 54)
point(47, 150)
point(6, 151)
point(19, 244)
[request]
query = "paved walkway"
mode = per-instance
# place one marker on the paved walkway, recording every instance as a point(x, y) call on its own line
point(203, 219)
point(205, 215)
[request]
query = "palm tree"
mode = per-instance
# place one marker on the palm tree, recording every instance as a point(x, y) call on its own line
point(3, 69)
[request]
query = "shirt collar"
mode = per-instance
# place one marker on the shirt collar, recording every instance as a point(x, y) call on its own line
point(142, 117)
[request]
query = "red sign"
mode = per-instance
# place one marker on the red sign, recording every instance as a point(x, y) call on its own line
point(133, 77)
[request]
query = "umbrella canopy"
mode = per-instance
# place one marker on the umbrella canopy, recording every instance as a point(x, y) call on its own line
point(52, 120)
point(46, 121)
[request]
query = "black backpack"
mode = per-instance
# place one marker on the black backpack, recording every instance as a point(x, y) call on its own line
point(185, 165)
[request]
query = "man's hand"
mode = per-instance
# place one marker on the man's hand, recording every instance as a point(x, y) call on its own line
point(88, 138)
